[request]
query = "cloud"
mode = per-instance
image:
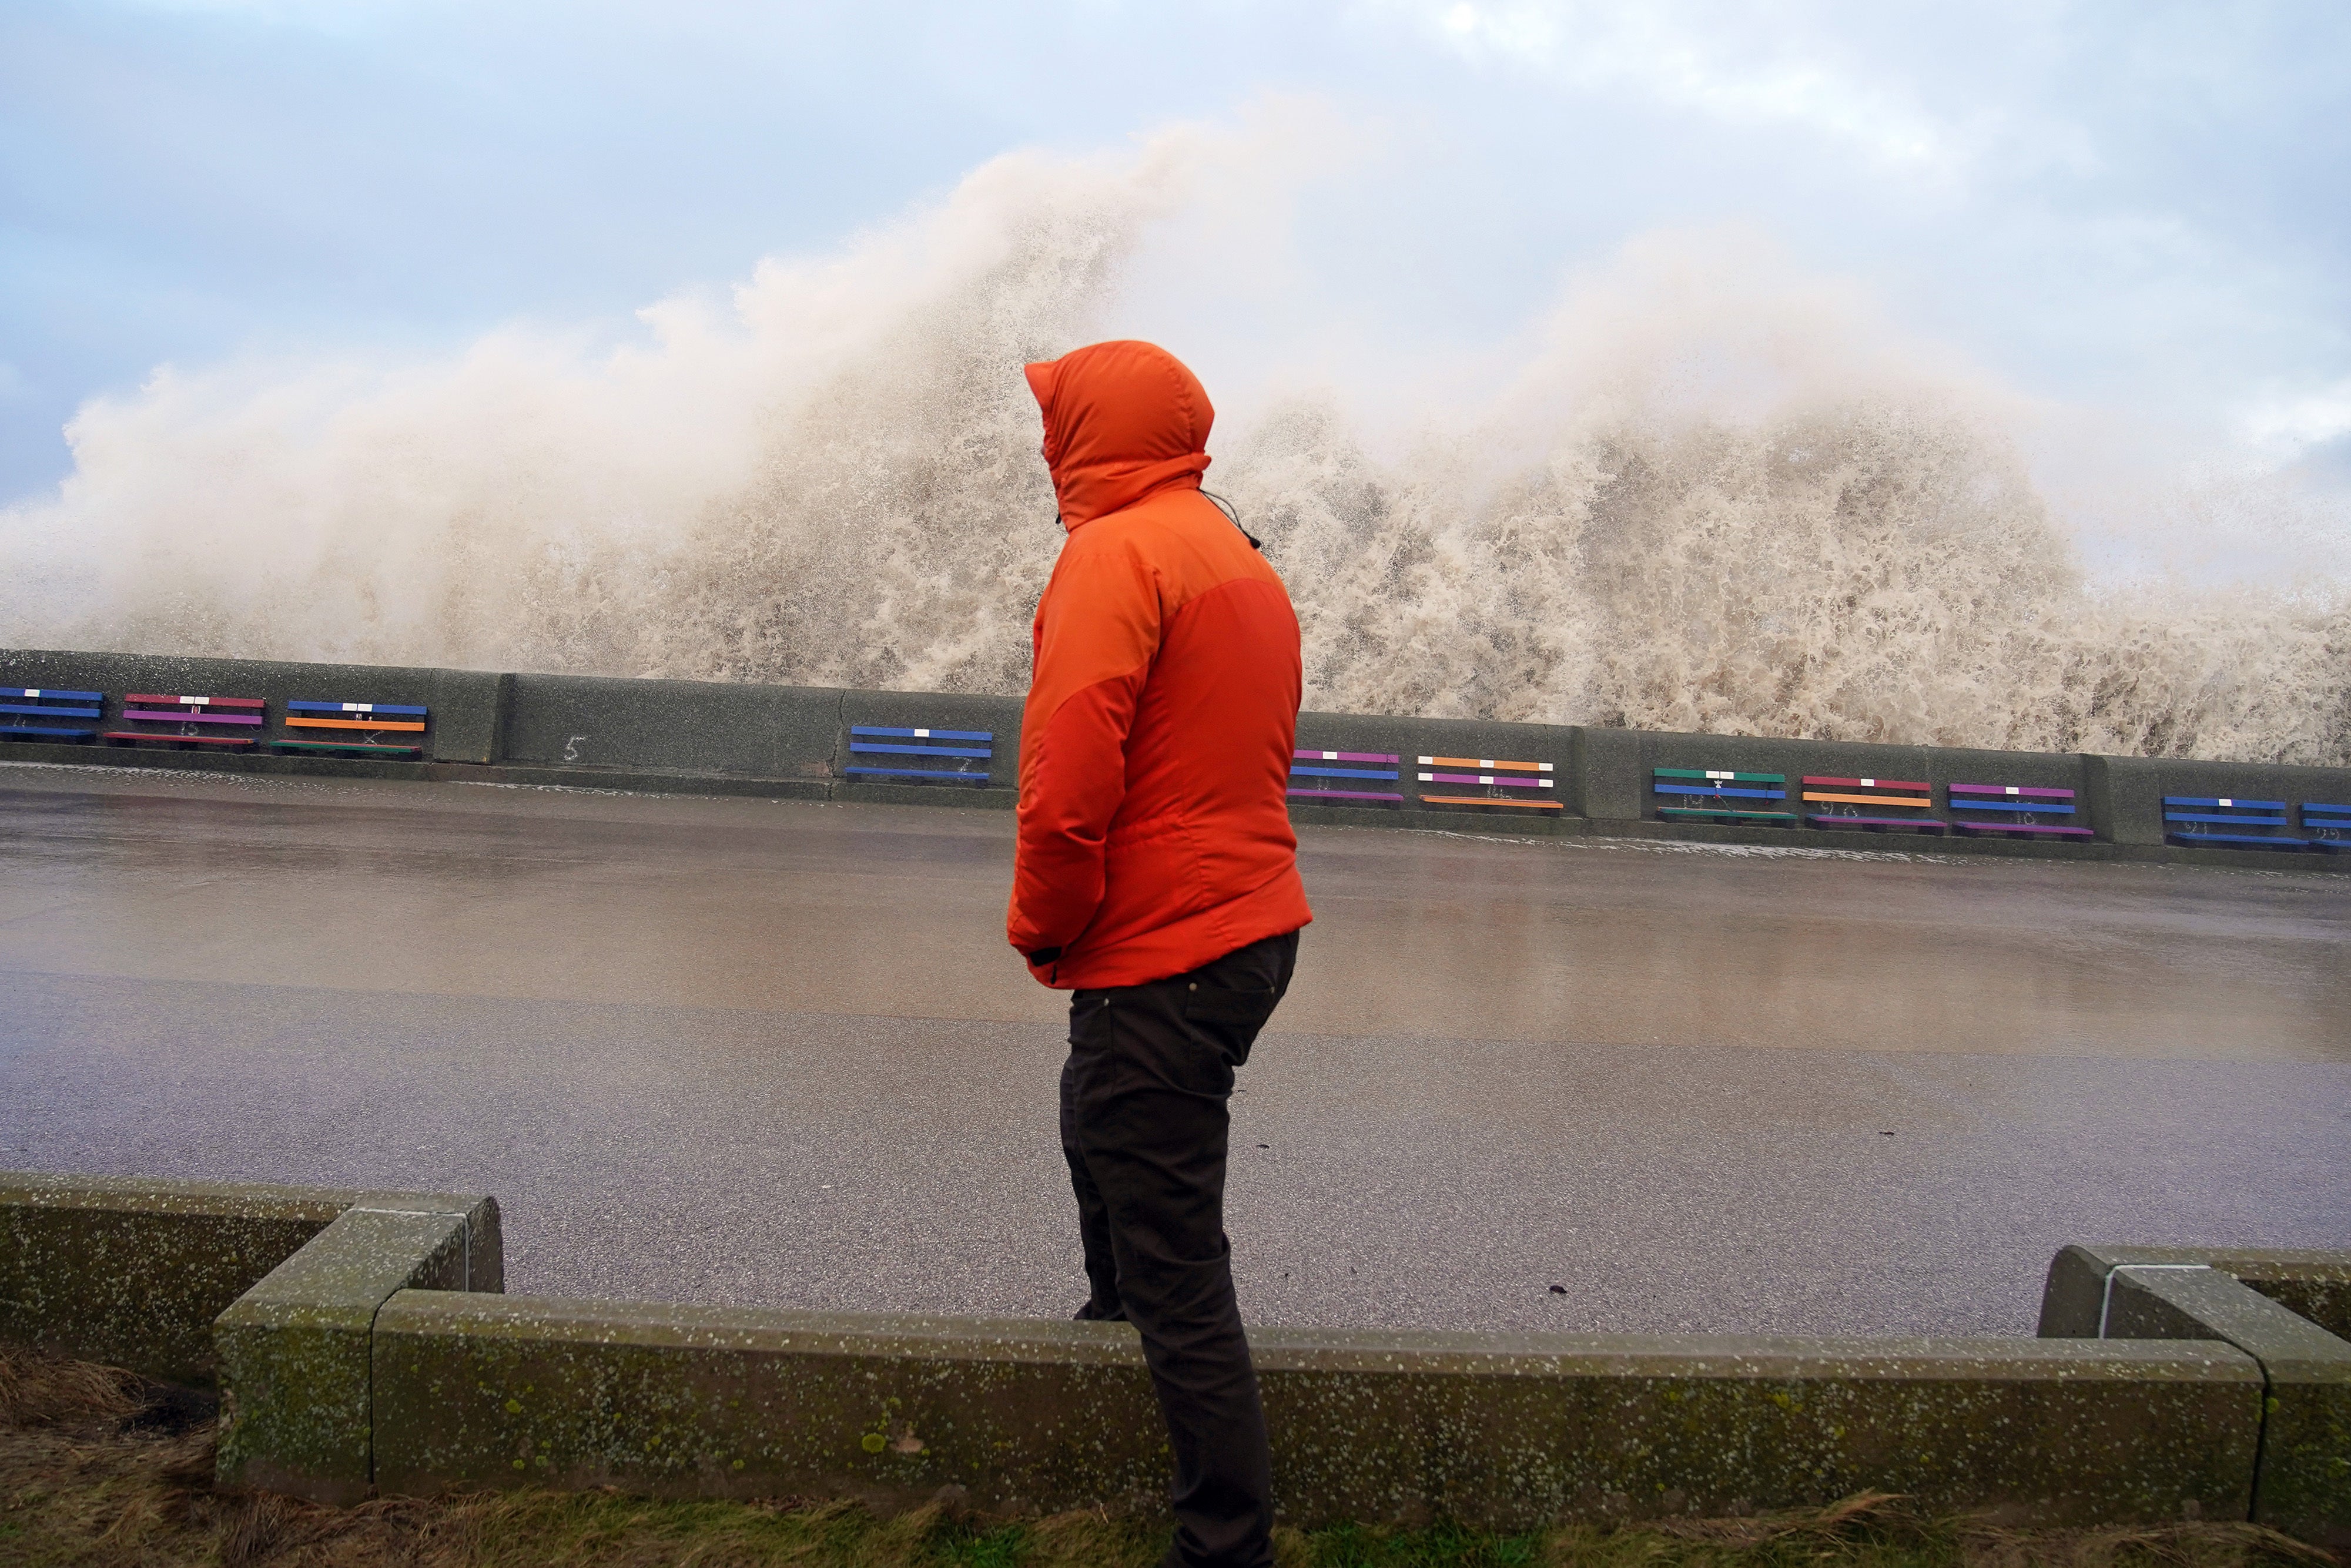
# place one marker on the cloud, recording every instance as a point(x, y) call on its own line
point(2287, 427)
point(1703, 67)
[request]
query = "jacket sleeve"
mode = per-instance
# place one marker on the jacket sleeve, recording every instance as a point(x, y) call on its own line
point(1097, 633)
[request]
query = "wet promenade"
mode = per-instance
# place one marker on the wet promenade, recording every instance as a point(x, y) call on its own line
point(742, 1051)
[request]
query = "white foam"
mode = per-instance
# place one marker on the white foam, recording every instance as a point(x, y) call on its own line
point(1702, 503)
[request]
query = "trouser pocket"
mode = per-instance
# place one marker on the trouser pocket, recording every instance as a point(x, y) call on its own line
point(1229, 1001)
point(1230, 1020)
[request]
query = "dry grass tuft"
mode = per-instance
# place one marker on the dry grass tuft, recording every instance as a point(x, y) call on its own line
point(48, 1391)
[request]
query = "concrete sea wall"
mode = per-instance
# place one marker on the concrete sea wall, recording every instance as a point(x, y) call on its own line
point(792, 742)
point(366, 1347)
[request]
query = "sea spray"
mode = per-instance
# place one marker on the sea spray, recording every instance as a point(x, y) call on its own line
point(835, 480)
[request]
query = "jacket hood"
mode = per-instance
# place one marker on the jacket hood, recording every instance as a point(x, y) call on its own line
point(1122, 421)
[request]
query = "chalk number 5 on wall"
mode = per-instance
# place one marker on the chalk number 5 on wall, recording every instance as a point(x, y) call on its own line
point(571, 748)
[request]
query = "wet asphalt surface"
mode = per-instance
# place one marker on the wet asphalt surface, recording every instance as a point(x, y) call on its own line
point(757, 1052)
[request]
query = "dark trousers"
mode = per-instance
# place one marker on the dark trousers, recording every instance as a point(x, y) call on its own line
point(1143, 1126)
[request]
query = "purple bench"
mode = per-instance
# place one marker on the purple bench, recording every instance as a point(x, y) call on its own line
point(2015, 810)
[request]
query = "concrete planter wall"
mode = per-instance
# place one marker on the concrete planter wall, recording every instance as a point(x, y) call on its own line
point(369, 1351)
point(712, 738)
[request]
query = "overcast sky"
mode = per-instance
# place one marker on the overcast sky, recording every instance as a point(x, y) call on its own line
point(2141, 208)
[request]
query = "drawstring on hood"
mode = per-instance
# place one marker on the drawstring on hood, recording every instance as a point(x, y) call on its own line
point(1232, 512)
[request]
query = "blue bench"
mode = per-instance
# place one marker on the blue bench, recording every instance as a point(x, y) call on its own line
point(2015, 810)
point(932, 755)
point(45, 701)
point(2329, 827)
point(1320, 777)
point(2206, 821)
point(1720, 795)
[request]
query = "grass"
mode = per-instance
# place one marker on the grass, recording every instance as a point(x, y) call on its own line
point(99, 1468)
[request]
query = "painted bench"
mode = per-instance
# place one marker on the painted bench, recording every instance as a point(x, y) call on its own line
point(1877, 796)
point(1337, 777)
point(364, 721)
point(2208, 819)
point(931, 756)
point(1511, 785)
point(1708, 794)
point(240, 714)
point(2329, 827)
point(19, 704)
point(2015, 810)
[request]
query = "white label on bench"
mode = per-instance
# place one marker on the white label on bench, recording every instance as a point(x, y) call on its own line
point(32, 690)
point(1428, 778)
point(1545, 767)
point(922, 735)
point(359, 707)
point(195, 702)
point(1713, 774)
point(1542, 783)
point(2228, 802)
point(1329, 757)
point(1426, 762)
point(2014, 790)
point(1869, 783)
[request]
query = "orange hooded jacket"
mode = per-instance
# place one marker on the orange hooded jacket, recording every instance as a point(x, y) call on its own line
point(1156, 746)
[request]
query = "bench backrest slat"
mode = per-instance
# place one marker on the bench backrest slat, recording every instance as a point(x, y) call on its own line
point(904, 734)
point(1867, 783)
point(2029, 791)
point(406, 710)
point(1719, 776)
point(193, 701)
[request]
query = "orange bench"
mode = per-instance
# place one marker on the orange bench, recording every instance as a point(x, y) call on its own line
point(1502, 784)
point(1879, 794)
point(367, 719)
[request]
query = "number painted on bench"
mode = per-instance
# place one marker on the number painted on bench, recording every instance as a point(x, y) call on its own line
point(1858, 802)
point(2201, 819)
point(2014, 810)
point(187, 715)
point(1308, 763)
point(365, 723)
point(966, 746)
point(1493, 779)
point(20, 704)
point(1706, 794)
point(2328, 827)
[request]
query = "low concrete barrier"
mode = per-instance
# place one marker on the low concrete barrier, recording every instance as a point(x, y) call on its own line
point(717, 738)
point(1506, 1431)
point(2180, 1294)
point(379, 1356)
point(135, 1271)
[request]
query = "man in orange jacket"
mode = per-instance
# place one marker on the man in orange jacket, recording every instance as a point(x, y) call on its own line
point(1156, 879)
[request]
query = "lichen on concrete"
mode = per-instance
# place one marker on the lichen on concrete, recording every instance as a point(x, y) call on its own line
point(1507, 1431)
point(298, 1414)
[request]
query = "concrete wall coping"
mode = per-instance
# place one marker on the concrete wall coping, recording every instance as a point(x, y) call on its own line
point(254, 1200)
point(1015, 1341)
